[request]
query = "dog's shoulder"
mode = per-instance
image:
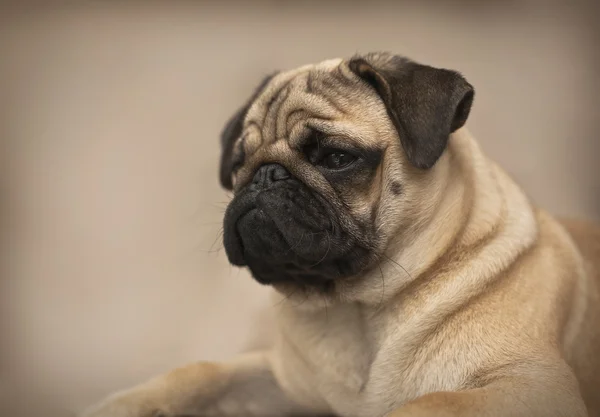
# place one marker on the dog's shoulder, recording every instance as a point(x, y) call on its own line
point(586, 236)
point(586, 326)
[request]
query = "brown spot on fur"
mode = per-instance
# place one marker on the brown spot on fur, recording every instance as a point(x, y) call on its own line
point(396, 188)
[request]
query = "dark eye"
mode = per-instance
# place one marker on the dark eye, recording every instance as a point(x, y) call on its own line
point(337, 160)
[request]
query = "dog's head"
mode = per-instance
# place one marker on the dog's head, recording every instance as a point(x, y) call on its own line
point(327, 162)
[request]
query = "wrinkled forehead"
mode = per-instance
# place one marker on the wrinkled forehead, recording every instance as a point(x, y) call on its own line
point(319, 97)
point(278, 89)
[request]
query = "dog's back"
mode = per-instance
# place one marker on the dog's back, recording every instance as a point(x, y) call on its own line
point(586, 348)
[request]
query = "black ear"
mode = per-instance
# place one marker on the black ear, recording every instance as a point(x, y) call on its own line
point(425, 104)
point(231, 132)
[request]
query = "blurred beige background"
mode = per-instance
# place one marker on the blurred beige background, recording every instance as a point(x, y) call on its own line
point(111, 209)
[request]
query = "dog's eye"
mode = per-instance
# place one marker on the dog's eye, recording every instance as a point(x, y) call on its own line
point(338, 160)
point(329, 158)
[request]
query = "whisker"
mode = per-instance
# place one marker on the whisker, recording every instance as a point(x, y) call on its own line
point(326, 253)
point(297, 244)
point(382, 287)
point(396, 263)
point(286, 297)
point(219, 235)
point(305, 297)
point(221, 206)
point(312, 239)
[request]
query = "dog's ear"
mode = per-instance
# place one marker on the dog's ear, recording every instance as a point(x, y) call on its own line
point(231, 132)
point(425, 104)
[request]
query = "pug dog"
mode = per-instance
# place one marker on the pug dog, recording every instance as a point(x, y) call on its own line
point(414, 277)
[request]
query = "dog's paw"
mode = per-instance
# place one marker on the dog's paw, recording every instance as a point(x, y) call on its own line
point(123, 406)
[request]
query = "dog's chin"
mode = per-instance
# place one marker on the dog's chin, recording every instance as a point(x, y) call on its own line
point(286, 249)
point(272, 260)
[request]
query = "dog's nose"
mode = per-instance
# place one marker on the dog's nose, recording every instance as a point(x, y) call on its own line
point(269, 174)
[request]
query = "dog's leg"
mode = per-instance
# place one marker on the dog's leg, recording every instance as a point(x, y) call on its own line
point(245, 387)
point(526, 391)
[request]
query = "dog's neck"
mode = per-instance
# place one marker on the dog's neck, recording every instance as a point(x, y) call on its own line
point(471, 205)
point(478, 207)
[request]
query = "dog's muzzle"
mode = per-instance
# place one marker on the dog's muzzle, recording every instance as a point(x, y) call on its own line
point(283, 231)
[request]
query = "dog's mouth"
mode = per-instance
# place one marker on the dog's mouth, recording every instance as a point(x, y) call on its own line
point(289, 235)
point(232, 238)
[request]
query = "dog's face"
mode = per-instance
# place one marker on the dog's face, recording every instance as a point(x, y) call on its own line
point(329, 161)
